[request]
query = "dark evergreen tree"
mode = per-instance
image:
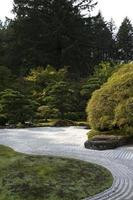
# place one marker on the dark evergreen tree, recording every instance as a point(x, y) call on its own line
point(51, 32)
point(61, 97)
point(113, 47)
point(125, 41)
point(8, 48)
point(2, 37)
point(6, 78)
point(102, 41)
point(16, 107)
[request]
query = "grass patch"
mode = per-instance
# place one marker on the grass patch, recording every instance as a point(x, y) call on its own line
point(24, 177)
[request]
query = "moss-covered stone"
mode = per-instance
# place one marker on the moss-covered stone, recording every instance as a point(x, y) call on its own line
point(103, 142)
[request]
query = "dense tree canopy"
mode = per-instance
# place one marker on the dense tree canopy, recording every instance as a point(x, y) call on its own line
point(52, 32)
point(5, 78)
point(58, 54)
point(61, 33)
point(102, 40)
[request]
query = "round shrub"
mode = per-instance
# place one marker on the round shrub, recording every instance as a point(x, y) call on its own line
point(111, 107)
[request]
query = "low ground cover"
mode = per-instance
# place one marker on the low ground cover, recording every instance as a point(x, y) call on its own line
point(24, 177)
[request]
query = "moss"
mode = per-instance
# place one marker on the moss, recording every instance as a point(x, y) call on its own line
point(112, 133)
point(25, 177)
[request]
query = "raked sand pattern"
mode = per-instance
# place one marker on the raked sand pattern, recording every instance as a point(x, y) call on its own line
point(69, 142)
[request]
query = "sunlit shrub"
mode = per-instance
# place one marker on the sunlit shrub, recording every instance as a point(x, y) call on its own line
point(111, 107)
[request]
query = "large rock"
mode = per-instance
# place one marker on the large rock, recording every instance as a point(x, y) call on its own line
point(106, 142)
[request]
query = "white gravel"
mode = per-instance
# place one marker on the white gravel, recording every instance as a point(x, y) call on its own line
point(69, 142)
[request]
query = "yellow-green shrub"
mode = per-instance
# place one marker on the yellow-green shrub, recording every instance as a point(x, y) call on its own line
point(111, 107)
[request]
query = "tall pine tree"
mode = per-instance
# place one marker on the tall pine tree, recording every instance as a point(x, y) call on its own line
point(125, 41)
point(52, 32)
point(102, 41)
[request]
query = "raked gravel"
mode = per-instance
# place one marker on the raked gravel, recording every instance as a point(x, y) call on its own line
point(69, 142)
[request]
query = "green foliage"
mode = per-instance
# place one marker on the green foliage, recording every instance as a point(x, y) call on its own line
point(70, 41)
point(115, 133)
point(125, 40)
point(57, 93)
point(75, 116)
point(49, 178)
point(124, 114)
point(45, 112)
point(41, 78)
point(60, 97)
point(22, 85)
point(102, 40)
point(102, 72)
point(16, 107)
point(111, 106)
point(5, 78)
point(3, 120)
point(63, 36)
point(57, 37)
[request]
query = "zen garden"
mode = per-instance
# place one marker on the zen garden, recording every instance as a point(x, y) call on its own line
point(66, 103)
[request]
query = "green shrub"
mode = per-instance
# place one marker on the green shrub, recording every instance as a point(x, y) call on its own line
point(75, 116)
point(111, 107)
point(20, 125)
point(3, 120)
point(16, 106)
point(64, 123)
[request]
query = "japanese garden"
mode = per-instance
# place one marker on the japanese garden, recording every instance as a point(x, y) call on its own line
point(66, 103)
